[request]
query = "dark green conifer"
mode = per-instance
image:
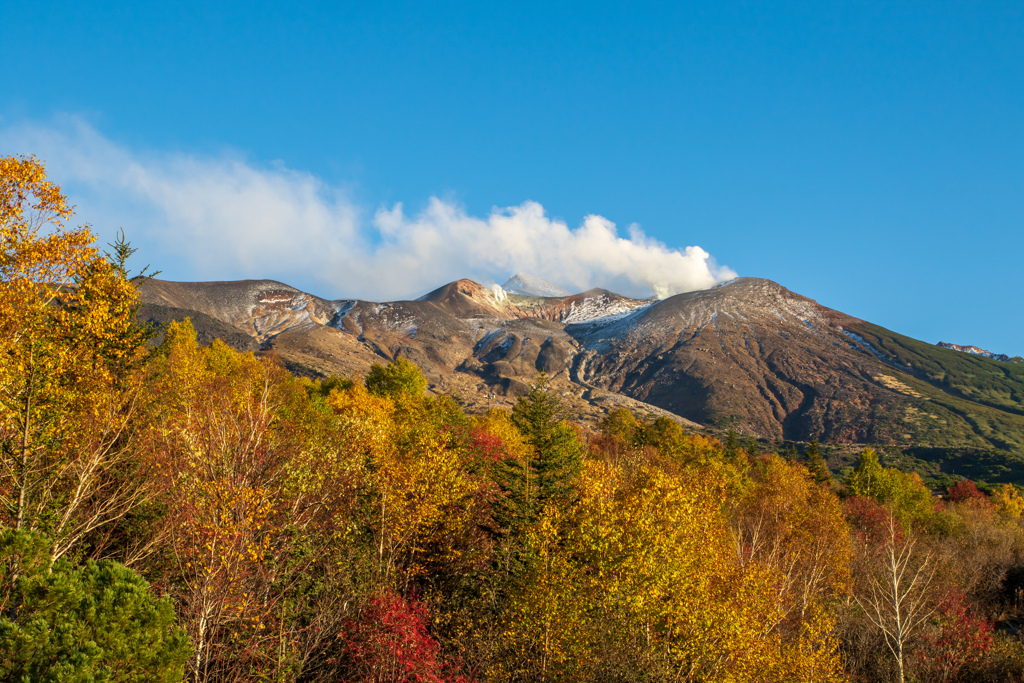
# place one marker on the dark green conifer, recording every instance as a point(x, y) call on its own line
point(816, 464)
point(547, 474)
point(732, 446)
point(93, 623)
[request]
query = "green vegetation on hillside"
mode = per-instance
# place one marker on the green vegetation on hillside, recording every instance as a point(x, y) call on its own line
point(968, 417)
point(97, 622)
point(997, 384)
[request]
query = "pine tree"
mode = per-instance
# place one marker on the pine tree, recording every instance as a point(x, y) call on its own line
point(547, 474)
point(732, 445)
point(92, 623)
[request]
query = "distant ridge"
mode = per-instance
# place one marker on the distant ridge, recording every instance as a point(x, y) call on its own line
point(531, 285)
point(974, 350)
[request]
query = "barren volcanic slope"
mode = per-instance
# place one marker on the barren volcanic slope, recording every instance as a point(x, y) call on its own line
point(748, 354)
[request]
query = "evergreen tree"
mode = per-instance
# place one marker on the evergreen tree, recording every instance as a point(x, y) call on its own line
point(732, 445)
point(81, 624)
point(546, 475)
point(816, 464)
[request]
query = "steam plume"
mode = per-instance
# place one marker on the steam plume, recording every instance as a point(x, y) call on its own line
point(201, 217)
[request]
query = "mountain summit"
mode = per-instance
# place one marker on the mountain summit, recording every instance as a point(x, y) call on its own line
point(531, 285)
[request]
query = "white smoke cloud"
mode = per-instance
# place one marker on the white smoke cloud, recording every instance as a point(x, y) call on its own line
point(201, 217)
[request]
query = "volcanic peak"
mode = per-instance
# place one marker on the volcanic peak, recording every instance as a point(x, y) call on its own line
point(465, 299)
point(531, 285)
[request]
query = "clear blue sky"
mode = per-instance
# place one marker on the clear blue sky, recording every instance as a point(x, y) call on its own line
point(869, 155)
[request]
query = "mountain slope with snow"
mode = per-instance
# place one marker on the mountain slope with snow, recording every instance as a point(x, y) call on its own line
point(531, 285)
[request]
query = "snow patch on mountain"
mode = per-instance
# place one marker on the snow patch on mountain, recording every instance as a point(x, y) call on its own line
point(974, 350)
point(864, 345)
point(621, 322)
point(600, 307)
point(531, 285)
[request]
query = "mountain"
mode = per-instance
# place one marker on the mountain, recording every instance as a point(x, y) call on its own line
point(748, 355)
point(530, 285)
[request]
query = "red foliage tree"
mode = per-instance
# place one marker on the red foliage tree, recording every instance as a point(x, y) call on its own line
point(960, 638)
point(869, 520)
point(964, 491)
point(486, 446)
point(390, 643)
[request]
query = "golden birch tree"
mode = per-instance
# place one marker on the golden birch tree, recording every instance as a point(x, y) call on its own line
point(69, 345)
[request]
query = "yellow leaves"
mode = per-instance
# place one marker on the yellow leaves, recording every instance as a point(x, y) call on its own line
point(648, 533)
point(223, 454)
point(1008, 502)
point(422, 496)
point(647, 556)
point(664, 547)
point(216, 398)
point(24, 188)
point(38, 251)
point(68, 347)
point(791, 524)
point(367, 419)
point(547, 617)
point(814, 655)
point(791, 531)
point(418, 492)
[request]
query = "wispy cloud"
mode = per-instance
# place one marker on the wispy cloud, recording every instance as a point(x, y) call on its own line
point(222, 217)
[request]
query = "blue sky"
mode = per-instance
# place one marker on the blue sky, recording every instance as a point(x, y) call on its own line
point(868, 155)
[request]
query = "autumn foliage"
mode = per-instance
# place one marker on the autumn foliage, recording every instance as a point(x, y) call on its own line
point(390, 642)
